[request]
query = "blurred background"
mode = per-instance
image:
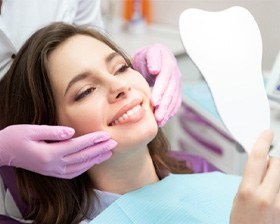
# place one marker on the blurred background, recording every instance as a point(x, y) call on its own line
point(166, 13)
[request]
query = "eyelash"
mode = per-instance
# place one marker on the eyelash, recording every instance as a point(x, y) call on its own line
point(88, 91)
point(122, 69)
point(84, 93)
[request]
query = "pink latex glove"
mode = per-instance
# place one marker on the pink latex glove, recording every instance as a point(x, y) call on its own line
point(25, 146)
point(159, 67)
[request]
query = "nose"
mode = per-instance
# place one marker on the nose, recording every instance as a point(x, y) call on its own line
point(118, 90)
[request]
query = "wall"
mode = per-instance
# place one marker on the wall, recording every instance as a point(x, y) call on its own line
point(265, 12)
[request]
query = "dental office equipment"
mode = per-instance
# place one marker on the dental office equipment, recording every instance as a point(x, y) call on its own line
point(273, 84)
point(226, 46)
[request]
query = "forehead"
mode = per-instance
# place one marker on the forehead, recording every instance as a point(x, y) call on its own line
point(76, 55)
point(77, 52)
point(81, 44)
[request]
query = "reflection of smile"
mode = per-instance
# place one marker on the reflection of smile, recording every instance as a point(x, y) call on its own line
point(132, 112)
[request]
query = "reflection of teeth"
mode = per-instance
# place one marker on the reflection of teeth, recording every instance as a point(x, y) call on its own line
point(127, 114)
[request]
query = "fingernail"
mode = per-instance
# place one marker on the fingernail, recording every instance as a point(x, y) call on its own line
point(67, 132)
point(104, 156)
point(160, 124)
point(164, 121)
point(102, 137)
point(154, 70)
point(155, 101)
point(159, 114)
point(112, 144)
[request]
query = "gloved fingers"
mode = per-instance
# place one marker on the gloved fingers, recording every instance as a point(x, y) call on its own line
point(51, 133)
point(139, 59)
point(175, 104)
point(77, 144)
point(139, 64)
point(160, 62)
point(163, 109)
point(172, 112)
point(178, 101)
point(161, 85)
point(140, 54)
point(75, 170)
point(154, 59)
point(90, 152)
point(79, 162)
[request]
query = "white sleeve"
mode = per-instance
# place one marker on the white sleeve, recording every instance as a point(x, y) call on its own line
point(88, 13)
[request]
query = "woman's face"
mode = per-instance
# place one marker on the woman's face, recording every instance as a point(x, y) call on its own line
point(95, 90)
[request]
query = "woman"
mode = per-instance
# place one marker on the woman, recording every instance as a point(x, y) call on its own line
point(41, 103)
point(65, 75)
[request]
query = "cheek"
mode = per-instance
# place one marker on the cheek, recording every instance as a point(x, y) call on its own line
point(83, 118)
point(140, 83)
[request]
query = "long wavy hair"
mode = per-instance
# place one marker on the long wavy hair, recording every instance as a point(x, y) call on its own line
point(27, 98)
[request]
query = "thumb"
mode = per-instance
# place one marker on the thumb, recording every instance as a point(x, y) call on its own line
point(153, 59)
point(51, 133)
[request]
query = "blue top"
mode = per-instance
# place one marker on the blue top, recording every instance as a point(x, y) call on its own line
point(178, 198)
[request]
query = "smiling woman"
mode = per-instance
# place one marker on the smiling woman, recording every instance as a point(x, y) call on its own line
point(77, 77)
point(83, 70)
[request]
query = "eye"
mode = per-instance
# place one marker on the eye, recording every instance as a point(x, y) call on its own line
point(84, 93)
point(122, 69)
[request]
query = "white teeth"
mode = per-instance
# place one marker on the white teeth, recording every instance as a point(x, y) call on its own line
point(127, 114)
point(130, 112)
point(135, 109)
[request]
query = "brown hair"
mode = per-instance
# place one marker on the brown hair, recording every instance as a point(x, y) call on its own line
point(27, 98)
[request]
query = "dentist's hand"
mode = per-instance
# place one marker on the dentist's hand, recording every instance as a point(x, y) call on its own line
point(25, 146)
point(159, 67)
point(258, 197)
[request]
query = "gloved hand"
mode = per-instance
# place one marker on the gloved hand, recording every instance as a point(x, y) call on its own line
point(25, 146)
point(159, 67)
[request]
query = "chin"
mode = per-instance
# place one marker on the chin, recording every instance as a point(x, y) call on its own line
point(148, 135)
point(137, 138)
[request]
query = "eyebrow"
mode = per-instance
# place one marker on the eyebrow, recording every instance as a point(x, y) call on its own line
point(111, 56)
point(76, 79)
point(84, 75)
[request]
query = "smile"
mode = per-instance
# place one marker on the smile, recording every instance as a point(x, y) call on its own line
point(132, 115)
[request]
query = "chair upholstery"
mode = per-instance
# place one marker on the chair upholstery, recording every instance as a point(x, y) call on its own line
point(197, 163)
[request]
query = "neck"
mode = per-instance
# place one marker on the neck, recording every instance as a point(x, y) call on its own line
point(124, 172)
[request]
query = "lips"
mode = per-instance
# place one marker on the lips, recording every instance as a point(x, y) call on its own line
point(126, 112)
